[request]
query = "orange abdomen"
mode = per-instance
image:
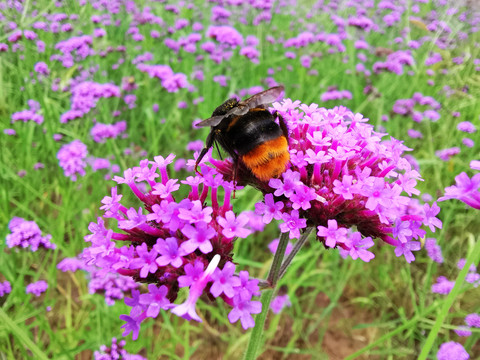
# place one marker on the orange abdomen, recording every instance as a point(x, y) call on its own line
point(269, 159)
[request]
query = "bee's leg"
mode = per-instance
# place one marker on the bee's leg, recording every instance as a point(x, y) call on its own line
point(208, 145)
point(283, 126)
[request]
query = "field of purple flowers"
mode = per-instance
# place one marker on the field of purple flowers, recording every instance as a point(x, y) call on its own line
point(113, 247)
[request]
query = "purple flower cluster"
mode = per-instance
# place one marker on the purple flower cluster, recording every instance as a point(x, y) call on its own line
point(71, 158)
point(31, 114)
point(37, 288)
point(465, 189)
point(334, 94)
point(172, 244)
point(73, 49)
point(452, 350)
point(116, 351)
point(171, 81)
point(5, 288)
point(112, 286)
point(85, 96)
point(344, 180)
point(406, 107)
point(27, 234)
point(100, 132)
point(395, 62)
point(446, 154)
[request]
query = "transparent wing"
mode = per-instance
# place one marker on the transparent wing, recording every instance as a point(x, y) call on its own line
point(265, 97)
point(212, 121)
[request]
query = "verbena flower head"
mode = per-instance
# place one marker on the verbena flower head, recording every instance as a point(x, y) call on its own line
point(27, 234)
point(172, 241)
point(344, 180)
point(115, 351)
point(5, 288)
point(452, 350)
point(37, 288)
point(71, 158)
point(465, 189)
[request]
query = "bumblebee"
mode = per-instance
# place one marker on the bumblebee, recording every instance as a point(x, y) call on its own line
point(247, 131)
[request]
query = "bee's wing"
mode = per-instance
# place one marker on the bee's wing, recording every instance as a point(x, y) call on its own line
point(258, 100)
point(265, 97)
point(212, 121)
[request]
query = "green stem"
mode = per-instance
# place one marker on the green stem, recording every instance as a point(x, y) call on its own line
point(452, 296)
point(257, 335)
point(274, 273)
point(296, 248)
point(22, 336)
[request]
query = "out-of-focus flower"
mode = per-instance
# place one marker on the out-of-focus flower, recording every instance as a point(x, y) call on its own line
point(100, 131)
point(465, 189)
point(37, 288)
point(443, 286)
point(5, 288)
point(71, 158)
point(115, 351)
point(434, 250)
point(27, 234)
point(452, 351)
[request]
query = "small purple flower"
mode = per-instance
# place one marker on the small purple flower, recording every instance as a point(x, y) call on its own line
point(434, 250)
point(473, 320)
point(132, 322)
point(357, 247)
point(170, 254)
point(269, 209)
point(332, 234)
point(224, 281)
point(155, 300)
point(234, 226)
point(279, 302)
point(71, 159)
point(37, 288)
point(292, 222)
point(274, 245)
point(452, 350)
point(242, 309)
point(187, 309)
point(145, 260)
point(406, 249)
point(5, 288)
point(463, 331)
point(443, 286)
point(199, 238)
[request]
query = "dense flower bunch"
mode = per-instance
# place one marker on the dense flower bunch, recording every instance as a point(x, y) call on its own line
point(171, 81)
point(73, 49)
point(409, 107)
point(5, 288)
point(395, 62)
point(37, 288)
point(71, 158)
point(27, 234)
point(111, 285)
point(172, 244)
point(100, 131)
point(31, 114)
point(344, 180)
point(465, 189)
point(116, 351)
point(85, 96)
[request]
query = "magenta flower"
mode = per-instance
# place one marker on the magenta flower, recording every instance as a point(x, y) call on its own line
point(224, 281)
point(466, 190)
point(155, 300)
point(434, 251)
point(234, 226)
point(115, 351)
point(452, 350)
point(27, 234)
point(443, 286)
point(279, 302)
point(343, 176)
point(168, 242)
point(5, 288)
point(37, 288)
point(71, 158)
point(242, 309)
point(473, 320)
